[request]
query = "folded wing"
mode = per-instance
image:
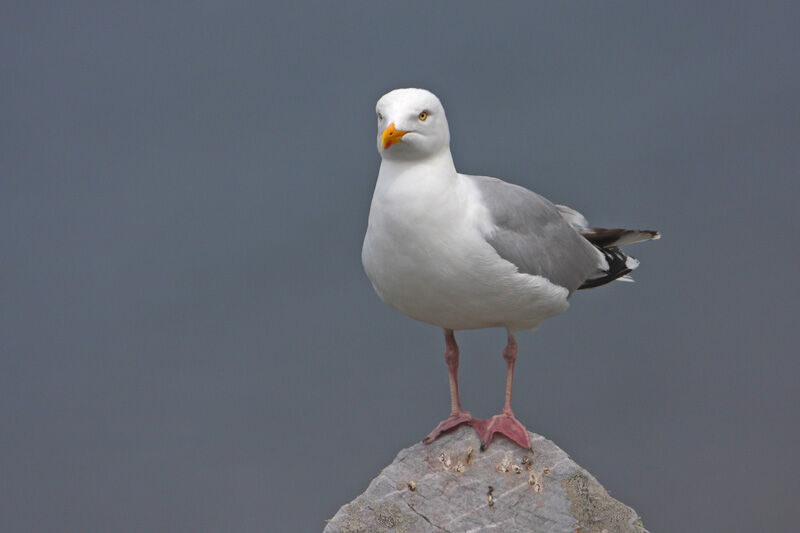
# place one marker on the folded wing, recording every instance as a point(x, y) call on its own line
point(530, 232)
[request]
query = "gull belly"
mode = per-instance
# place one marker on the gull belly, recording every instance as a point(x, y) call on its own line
point(426, 255)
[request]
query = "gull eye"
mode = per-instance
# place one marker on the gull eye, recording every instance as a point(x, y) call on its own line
point(380, 117)
point(423, 116)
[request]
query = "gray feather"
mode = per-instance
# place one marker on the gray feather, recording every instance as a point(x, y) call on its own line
point(575, 219)
point(604, 237)
point(531, 233)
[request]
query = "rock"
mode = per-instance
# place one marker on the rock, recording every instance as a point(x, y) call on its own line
point(451, 485)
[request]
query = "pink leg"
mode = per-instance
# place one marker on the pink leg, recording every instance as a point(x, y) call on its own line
point(457, 415)
point(504, 423)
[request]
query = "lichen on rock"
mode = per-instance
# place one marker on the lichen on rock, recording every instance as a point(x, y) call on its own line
point(451, 486)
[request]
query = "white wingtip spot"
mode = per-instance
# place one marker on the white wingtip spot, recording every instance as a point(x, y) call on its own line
point(631, 263)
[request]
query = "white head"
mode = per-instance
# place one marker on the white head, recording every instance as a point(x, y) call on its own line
point(411, 124)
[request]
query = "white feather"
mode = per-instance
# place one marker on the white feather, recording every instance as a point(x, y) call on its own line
point(575, 219)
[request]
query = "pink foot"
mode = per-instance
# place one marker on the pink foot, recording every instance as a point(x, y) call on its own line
point(504, 423)
point(455, 420)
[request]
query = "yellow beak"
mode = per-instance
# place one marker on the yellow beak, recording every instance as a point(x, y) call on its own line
point(391, 136)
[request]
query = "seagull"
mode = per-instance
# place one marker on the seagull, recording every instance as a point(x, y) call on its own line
point(466, 252)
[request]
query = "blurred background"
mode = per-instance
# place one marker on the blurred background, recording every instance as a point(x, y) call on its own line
point(188, 341)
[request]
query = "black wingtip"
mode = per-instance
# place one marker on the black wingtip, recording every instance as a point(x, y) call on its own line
point(617, 267)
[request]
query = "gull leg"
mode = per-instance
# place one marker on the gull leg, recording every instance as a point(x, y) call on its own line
point(457, 415)
point(504, 423)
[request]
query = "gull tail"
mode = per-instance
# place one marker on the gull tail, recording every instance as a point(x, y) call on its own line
point(607, 241)
point(605, 237)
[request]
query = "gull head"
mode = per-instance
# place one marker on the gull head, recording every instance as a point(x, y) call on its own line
point(411, 125)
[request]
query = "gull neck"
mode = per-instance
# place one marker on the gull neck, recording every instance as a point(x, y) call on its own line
point(439, 163)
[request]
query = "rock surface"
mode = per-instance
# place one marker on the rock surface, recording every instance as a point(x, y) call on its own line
point(452, 486)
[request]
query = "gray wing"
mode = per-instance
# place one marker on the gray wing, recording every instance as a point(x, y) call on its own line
point(531, 233)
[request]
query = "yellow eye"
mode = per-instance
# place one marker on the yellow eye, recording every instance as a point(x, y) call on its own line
point(422, 116)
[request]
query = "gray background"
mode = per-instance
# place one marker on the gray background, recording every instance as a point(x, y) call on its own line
point(189, 342)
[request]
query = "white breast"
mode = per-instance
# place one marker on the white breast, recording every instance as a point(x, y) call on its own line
point(426, 256)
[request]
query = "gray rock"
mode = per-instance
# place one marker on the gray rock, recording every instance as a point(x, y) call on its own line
point(451, 485)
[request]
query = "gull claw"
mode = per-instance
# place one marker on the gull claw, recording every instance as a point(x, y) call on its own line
point(505, 424)
point(452, 422)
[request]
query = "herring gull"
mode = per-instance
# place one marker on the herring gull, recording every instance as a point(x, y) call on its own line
point(465, 252)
